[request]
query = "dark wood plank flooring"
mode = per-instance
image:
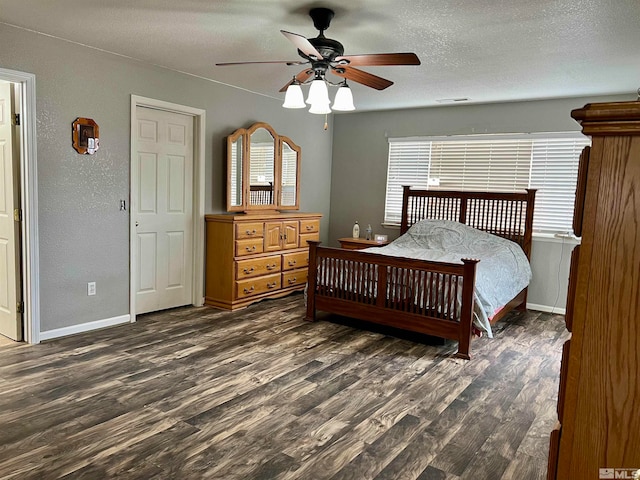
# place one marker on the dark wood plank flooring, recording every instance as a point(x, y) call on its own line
point(262, 394)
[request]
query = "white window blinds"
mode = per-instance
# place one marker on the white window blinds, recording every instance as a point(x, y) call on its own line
point(554, 172)
point(408, 165)
point(498, 163)
point(483, 165)
point(262, 155)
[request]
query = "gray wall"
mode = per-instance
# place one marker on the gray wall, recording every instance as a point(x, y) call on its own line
point(359, 173)
point(83, 235)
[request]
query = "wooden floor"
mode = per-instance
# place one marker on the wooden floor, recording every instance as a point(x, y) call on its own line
point(262, 394)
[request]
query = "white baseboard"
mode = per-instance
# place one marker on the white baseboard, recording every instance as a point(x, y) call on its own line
point(546, 308)
point(84, 327)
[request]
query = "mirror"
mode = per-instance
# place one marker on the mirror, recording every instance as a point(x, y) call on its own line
point(263, 170)
point(235, 149)
point(262, 153)
point(85, 135)
point(289, 173)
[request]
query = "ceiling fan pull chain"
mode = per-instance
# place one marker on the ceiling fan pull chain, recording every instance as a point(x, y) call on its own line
point(326, 122)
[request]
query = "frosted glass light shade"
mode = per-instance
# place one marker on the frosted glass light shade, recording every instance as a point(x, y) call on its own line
point(318, 93)
point(344, 99)
point(320, 108)
point(294, 97)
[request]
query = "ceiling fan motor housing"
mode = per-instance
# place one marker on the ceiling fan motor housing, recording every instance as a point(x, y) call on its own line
point(327, 47)
point(321, 18)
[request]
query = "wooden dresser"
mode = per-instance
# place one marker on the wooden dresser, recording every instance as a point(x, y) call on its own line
point(599, 396)
point(250, 257)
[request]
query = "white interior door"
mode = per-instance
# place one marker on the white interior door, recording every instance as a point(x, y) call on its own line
point(162, 178)
point(10, 319)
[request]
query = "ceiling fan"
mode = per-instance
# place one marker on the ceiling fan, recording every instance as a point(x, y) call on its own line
point(324, 55)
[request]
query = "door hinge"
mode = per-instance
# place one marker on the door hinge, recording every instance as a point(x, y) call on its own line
point(17, 215)
point(20, 307)
point(16, 119)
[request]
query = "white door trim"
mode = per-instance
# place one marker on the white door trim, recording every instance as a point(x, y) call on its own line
point(29, 202)
point(198, 197)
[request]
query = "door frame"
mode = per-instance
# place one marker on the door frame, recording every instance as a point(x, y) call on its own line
point(30, 263)
point(199, 118)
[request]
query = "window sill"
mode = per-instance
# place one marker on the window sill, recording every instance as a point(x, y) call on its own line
point(564, 238)
point(392, 226)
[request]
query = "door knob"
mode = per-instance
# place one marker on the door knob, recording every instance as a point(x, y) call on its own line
point(137, 223)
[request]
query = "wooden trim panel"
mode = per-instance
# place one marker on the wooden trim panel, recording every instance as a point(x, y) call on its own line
point(581, 191)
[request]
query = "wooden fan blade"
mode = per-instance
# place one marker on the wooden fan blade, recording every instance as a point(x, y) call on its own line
point(300, 77)
point(302, 44)
point(380, 59)
point(363, 77)
point(293, 62)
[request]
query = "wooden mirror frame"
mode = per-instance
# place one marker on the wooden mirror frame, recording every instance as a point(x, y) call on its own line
point(296, 191)
point(85, 135)
point(276, 191)
point(232, 204)
point(265, 194)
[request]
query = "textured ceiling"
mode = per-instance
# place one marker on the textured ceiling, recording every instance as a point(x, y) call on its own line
point(483, 50)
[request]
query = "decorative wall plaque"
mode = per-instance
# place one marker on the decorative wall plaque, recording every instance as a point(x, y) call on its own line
point(86, 136)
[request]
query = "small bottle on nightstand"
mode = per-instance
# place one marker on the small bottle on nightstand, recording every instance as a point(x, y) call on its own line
point(356, 230)
point(369, 232)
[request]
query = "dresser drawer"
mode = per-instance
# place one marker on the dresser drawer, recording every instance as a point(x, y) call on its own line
point(309, 226)
point(257, 285)
point(291, 261)
point(571, 290)
point(294, 277)
point(254, 267)
point(249, 230)
point(309, 236)
point(249, 246)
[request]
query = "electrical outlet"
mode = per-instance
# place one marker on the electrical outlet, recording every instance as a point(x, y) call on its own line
point(91, 288)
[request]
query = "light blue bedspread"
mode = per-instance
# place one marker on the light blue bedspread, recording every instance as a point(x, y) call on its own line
point(503, 270)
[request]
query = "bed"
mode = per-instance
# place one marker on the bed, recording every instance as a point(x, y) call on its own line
point(430, 297)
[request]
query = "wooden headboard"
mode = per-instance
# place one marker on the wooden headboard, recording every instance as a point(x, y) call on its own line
point(507, 215)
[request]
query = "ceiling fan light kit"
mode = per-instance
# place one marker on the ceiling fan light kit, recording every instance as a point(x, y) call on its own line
point(344, 99)
point(320, 108)
point(318, 92)
point(318, 97)
point(325, 55)
point(294, 98)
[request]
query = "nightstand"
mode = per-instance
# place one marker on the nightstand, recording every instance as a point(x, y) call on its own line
point(359, 243)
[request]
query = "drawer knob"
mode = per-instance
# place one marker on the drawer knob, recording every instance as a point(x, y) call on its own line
point(292, 281)
point(271, 267)
point(251, 249)
point(309, 227)
point(249, 290)
point(248, 270)
point(251, 232)
point(271, 285)
point(292, 263)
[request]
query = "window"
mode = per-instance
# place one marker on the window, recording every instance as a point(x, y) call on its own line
point(495, 163)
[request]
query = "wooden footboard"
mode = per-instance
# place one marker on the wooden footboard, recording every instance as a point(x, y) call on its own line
point(426, 297)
